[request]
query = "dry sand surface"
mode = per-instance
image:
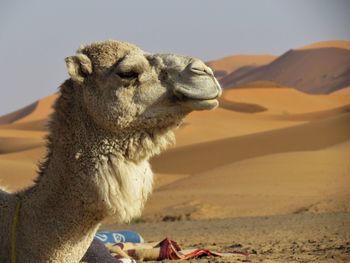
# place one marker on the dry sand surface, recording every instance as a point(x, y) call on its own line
point(322, 238)
point(290, 238)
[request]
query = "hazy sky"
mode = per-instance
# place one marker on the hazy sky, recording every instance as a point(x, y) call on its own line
point(36, 35)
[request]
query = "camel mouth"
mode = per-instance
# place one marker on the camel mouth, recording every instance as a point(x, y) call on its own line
point(193, 103)
point(201, 104)
point(198, 99)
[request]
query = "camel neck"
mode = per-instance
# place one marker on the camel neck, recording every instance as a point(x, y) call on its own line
point(64, 205)
point(90, 175)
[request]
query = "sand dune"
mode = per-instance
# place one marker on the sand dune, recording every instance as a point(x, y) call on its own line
point(326, 44)
point(36, 125)
point(18, 169)
point(36, 111)
point(16, 174)
point(292, 182)
point(284, 108)
point(14, 133)
point(317, 114)
point(281, 108)
point(205, 156)
point(225, 123)
point(229, 64)
point(342, 95)
point(252, 110)
point(19, 140)
point(285, 101)
point(304, 70)
point(32, 155)
point(41, 111)
point(16, 115)
point(8, 144)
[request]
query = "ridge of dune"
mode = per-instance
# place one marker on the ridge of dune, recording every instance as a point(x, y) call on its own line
point(345, 44)
point(315, 115)
point(36, 111)
point(220, 124)
point(335, 158)
point(231, 63)
point(259, 84)
point(205, 156)
point(304, 70)
point(342, 95)
point(244, 188)
point(33, 154)
point(13, 144)
point(225, 123)
point(18, 114)
point(226, 65)
point(286, 101)
point(249, 111)
point(14, 133)
point(35, 125)
point(237, 176)
point(41, 111)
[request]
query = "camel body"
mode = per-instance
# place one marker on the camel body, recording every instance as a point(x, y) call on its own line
point(118, 109)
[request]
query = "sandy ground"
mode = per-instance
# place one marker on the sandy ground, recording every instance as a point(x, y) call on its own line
point(287, 238)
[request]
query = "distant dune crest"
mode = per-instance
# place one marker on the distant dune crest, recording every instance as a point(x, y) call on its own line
point(326, 44)
point(320, 68)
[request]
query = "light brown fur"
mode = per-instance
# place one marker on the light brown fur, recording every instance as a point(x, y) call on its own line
point(105, 127)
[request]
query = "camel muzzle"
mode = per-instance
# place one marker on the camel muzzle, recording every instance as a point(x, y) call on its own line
point(197, 88)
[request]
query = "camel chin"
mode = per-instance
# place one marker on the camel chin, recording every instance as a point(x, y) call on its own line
point(199, 105)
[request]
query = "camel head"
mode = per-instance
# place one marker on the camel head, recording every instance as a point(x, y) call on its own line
point(123, 87)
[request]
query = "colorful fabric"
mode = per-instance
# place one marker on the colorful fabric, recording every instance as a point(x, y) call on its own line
point(128, 252)
point(166, 249)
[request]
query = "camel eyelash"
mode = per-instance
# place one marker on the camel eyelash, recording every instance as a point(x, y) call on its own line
point(128, 74)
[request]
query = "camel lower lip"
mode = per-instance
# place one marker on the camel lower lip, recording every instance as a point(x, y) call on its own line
point(195, 104)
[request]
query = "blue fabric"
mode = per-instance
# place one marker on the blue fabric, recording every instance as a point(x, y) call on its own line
point(119, 236)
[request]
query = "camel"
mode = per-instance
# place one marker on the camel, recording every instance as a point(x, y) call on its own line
point(118, 109)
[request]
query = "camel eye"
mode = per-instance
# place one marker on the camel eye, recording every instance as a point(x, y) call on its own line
point(128, 74)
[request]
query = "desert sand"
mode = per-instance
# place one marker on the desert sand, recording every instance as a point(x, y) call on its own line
point(226, 65)
point(267, 172)
point(319, 238)
point(303, 69)
point(326, 44)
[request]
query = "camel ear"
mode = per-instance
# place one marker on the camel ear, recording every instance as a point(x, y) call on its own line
point(79, 66)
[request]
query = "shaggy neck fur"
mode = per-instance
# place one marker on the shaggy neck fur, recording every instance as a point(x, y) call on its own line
point(90, 175)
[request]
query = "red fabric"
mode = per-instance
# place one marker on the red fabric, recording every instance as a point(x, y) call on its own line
point(170, 249)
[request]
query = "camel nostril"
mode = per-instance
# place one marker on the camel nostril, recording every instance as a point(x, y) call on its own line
point(198, 67)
